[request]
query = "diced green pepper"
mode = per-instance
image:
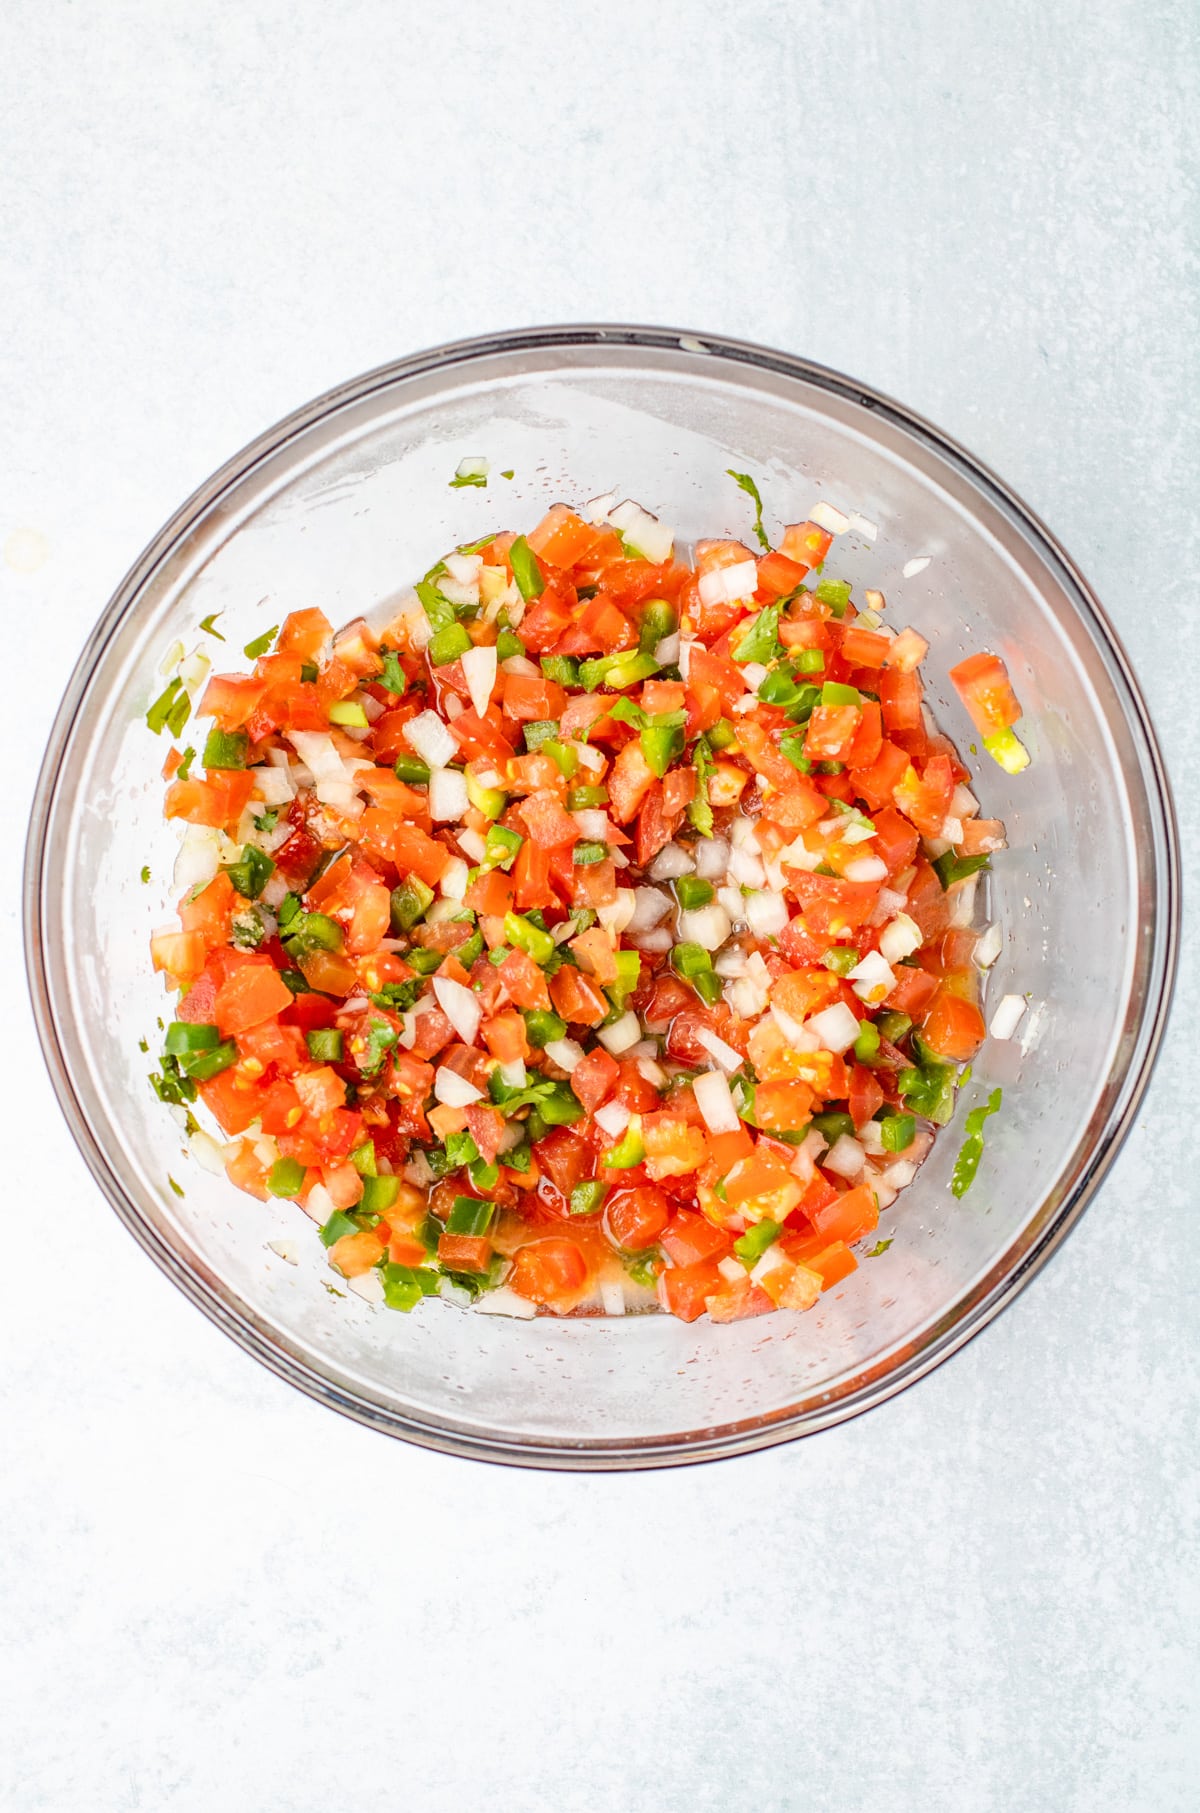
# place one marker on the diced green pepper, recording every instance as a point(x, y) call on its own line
point(586, 799)
point(527, 937)
point(202, 1066)
point(629, 1150)
point(833, 693)
point(225, 748)
point(448, 644)
point(721, 735)
point(542, 730)
point(618, 671)
point(379, 1194)
point(491, 801)
point(661, 743)
point(585, 854)
point(658, 622)
point(893, 1026)
point(836, 594)
point(841, 959)
point(897, 1132)
point(508, 644)
point(350, 713)
point(1006, 747)
point(586, 1198)
point(542, 1028)
point(562, 669)
point(501, 846)
point(833, 1124)
point(866, 1045)
point(470, 1215)
point(184, 1037)
point(809, 661)
point(410, 902)
point(337, 1227)
point(692, 892)
point(251, 872)
point(412, 769)
point(286, 1177)
point(526, 571)
point(751, 1245)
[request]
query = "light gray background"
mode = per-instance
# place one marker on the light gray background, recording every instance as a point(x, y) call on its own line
point(217, 1596)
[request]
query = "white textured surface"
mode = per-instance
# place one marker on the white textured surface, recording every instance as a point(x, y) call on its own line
point(982, 1597)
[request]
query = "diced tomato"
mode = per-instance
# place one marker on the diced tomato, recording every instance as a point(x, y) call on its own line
point(983, 685)
point(868, 738)
point(850, 1216)
point(562, 538)
point(531, 876)
point(629, 781)
point(866, 1096)
point(925, 799)
point(953, 1026)
point(734, 1302)
point(548, 822)
point(218, 801)
point(683, 1290)
point(545, 621)
point(900, 700)
point(505, 1037)
point(576, 997)
point(253, 993)
point(482, 738)
point(550, 1271)
point(863, 647)
point(636, 1217)
point(783, 1107)
point(524, 981)
point(304, 633)
point(595, 1077)
point(778, 574)
point(806, 544)
point(831, 732)
point(464, 1252)
point(689, 1238)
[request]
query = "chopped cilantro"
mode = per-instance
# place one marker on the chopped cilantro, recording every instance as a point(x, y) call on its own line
point(260, 644)
point(174, 1185)
point(207, 625)
point(967, 1162)
point(881, 1246)
point(146, 872)
point(747, 484)
point(760, 641)
point(380, 1039)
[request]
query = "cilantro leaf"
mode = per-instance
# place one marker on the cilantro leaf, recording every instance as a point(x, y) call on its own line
point(699, 811)
point(967, 1162)
point(747, 484)
point(760, 642)
point(260, 644)
point(206, 624)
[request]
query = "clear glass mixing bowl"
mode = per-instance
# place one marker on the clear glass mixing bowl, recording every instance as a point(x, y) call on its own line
point(340, 506)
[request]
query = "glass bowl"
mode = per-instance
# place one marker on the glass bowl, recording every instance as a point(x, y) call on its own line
point(340, 506)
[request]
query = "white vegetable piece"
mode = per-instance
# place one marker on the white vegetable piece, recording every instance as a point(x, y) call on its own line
point(612, 1118)
point(475, 467)
point(828, 516)
point(649, 907)
point(453, 1090)
point(873, 979)
point(726, 1056)
point(836, 1027)
point(565, 1053)
point(900, 939)
point(708, 926)
point(320, 1204)
point(746, 867)
point(513, 1075)
point(666, 653)
point(911, 568)
point(427, 737)
point(1008, 1016)
point(448, 800)
point(723, 585)
point(712, 858)
point(617, 914)
point(453, 884)
point(466, 568)
point(643, 533)
point(479, 671)
point(865, 868)
point(989, 946)
point(612, 1296)
point(766, 914)
point(845, 1158)
point(505, 1302)
point(862, 525)
point(715, 1102)
point(962, 901)
point(460, 1006)
point(597, 510)
point(621, 1034)
point(671, 862)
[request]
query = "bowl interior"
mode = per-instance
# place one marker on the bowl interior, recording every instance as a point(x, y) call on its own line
point(346, 505)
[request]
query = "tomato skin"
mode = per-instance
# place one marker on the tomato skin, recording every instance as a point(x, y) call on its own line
point(635, 1218)
point(549, 1271)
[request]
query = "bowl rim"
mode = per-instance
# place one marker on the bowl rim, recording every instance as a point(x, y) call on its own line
point(968, 1317)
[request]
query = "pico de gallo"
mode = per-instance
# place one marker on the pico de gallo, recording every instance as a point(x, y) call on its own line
point(597, 934)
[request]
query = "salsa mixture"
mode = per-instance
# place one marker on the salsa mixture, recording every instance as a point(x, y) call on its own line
point(596, 935)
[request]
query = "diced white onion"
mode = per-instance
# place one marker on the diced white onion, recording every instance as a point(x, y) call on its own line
point(900, 939)
point(671, 862)
point(1007, 1017)
point(889, 903)
point(870, 1138)
point(652, 1071)
point(317, 751)
point(708, 926)
point(565, 1053)
point(597, 510)
point(773, 1260)
point(612, 1118)
point(962, 901)
point(900, 1175)
point(798, 1036)
point(723, 585)
point(368, 1286)
point(320, 1204)
point(199, 858)
point(612, 1296)
point(845, 1157)
point(514, 1075)
point(208, 1153)
point(754, 673)
point(715, 1103)
point(475, 467)
point(470, 842)
point(520, 664)
point(594, 824)
point(989, 946)
point(684, 658)
point(952, 830)
point(862, 525)
point(460, 1006)
point(712, 858)
point(429, 738)
point(621, 1034)
point(911, 568)
point(452, 1090)
point(649, 906)
point(726, 1056)
point(865, 868)
point(828, 516)
point(617, 914)
point(731, 1270)
point(466, 568)
point(836, 1027)
point(873, 979)
point(747, 997)
point(963, 803)
point(479, 671)
point(745, 867)
point(589, 758)
point(195, 671)
point(766, 914)
point(454, 880)
point(456, 593)
point(643, 532)
point(287, 1250)
point(505, 1302)
point(448, 799)
point(273, 786)
point(666, 651)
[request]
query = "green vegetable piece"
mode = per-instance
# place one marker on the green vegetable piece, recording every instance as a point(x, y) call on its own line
point(722, 734)
point(893, 1026)
point(565, 758)
point(392, 679)
point(809, 661)
point(841, 959)
point(381, 1038)
point(866, 1045)
point(584, 854)
point(424, 961)
point(526, 571)
point(410, 902)
point(183, 1038)
point(967, 1162)
point(225, 749)
point(202, 1066)
point(350, 713)
point(897, 1132)
point(528, 937)
point(760, 641)
point(657, 623)
point(661, 743)
point(562, 669)
point(501, 846)
point(629, 1150)
point(617, 671)
point(1006, 747)
point(833, 693)
point(928, 1088)
point(207, 624)
point(363, 1158)
point(833, 1124)
point(586, 799)
point(559, 1107)
point(260, 644)
point(792, 746)
point(542, 730)
point(880, 1247)
point(836, 594)
point(379, 1193)
point(404, 1285)
point(286, 1177)
point(484, 1176)
point(313, 932)
point(412, 769)
point(751, 1245)
point(159, 713)
point(309, 673)
point(508, 644)
point(542, 1028)
point(325, 1045)
point(691, 892)
point(950, 868)
point(470, 1215)
point(251, 872)
point(338, 1225)
point(586, 1198)
point(746, 483)
point(447, 644)
point(699, 808)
